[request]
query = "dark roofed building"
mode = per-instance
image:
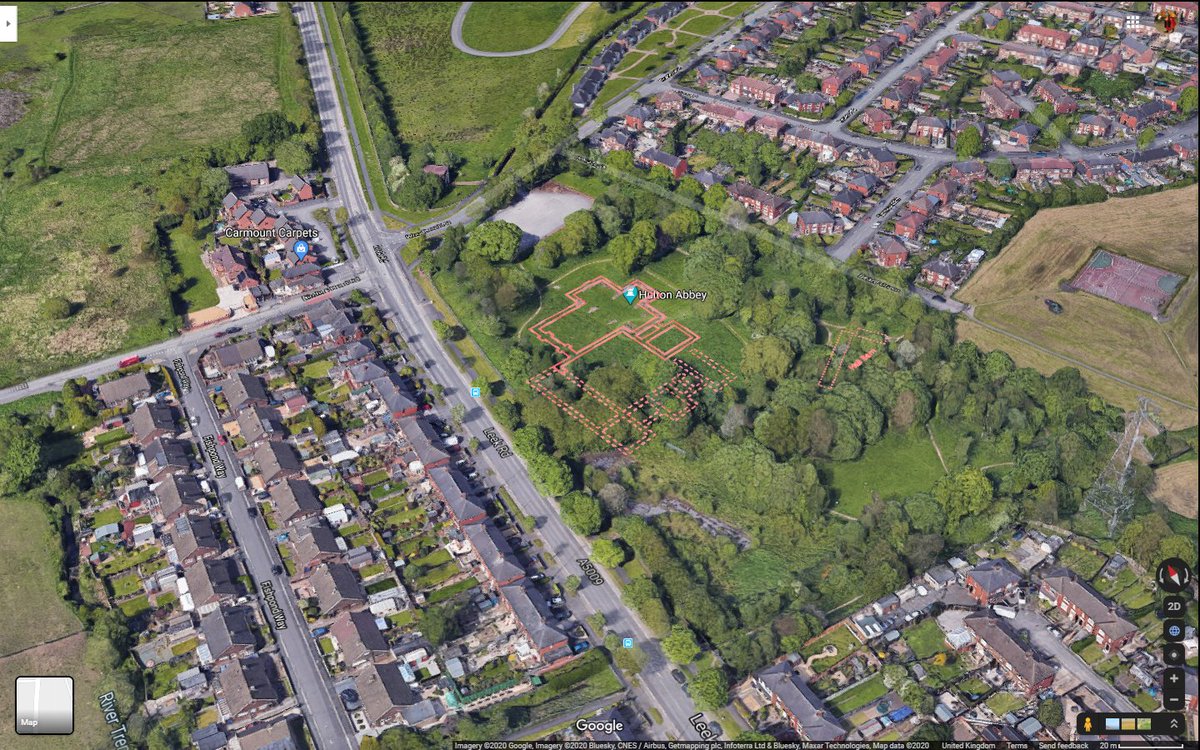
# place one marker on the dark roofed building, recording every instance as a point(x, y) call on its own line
point(494, 553)
point(390, 389)
point(337, 589)
point(259, 423)
point(152, 420)
point(770, 207)
point(195, 539)
point(233, 356)
point(242, 390)
point(212, 581)
point(166, 455)
point(124, 389)
point(1087, 607)
point(425, 442)
point(458, 496)
point(250, 687)
point(805, 711)
point(178, 494)
point(991, 580)
point(1020, 662)
point(229, 633)
point(294, 500)
point(940, 272)
point(277, 461)
point(312, 546)
point(530, 611)
point(359, 639)
point(384, 693)
point(250, 174)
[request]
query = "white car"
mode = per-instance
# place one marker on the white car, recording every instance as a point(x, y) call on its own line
point(922, 591)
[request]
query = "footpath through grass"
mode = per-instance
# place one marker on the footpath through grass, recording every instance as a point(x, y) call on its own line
point(507, 27)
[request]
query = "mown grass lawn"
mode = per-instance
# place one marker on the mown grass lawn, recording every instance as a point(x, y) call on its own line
point(841, 638)
point(1002, 703)
point(439, 95)
point(860, 695)
point(900, 464)
point(925, 638)
point(134, 87)
point(505, 26)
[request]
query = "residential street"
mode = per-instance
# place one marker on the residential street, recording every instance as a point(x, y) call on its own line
point(414, 314)
point(1031, 619)
point(327, 719)
point(400, 298)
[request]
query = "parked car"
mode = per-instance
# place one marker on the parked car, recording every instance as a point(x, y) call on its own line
point(253, 511)
point(938, 298)
point(556, 600)
point(277, 570)
point(233, 329)
point(675, 673)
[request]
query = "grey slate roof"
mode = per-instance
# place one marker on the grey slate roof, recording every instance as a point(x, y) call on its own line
point(493, 551)
point(817, 723)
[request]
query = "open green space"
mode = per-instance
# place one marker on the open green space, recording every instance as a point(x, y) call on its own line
point(506, 27)
point(471, 105)
point(704, 25)
point(1004, 702)
point(115, 92)
point(125, 585)
point(860, 695)
point(67, 656)
point(29, 579)
point(449, 592)
point(107, 516)
point(1081, 560)
point(840, 639)
point(925, 638)
point(899, 464)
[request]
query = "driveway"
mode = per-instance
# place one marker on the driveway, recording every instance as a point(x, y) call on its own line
point(456, 34)
point(1033, 621)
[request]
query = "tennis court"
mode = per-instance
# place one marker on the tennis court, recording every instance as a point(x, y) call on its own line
point(1127, 282)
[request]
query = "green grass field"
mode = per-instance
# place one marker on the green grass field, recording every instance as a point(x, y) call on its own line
point(860, 695)
point(505, 27)
point(472, 105)
point(137, 82)
point(925, 638)
point(899, 464)
point(28, 581)
point(1002, 703)
point(840, 638)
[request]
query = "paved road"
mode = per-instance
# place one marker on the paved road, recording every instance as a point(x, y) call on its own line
point(1033, 621)
point(456, 34)
point(414, 313)
point(327, 719)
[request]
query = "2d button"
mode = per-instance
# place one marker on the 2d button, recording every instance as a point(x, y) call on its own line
point(1173, 606)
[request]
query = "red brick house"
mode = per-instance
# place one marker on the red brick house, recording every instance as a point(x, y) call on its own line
point(918, 74)
point(833, 85)
point(992, 580)
point(845, 202)
point(1185, 12)
point(1023, 53)
point(939, 61)
point(864, 64)
point(812, 102)
point(1070, 11)
point(1110, 64)
point(890, 253)
point(1136, 118)
point(864, 183)
point(805, 712)
point(968, 171)
point(923, 204)
point(909, 227)
point(769, 207)
point(1088, 46)
point(771, 127)
point(653, 157)
point(938, 8)
point(1006, 80)
point(1023, 666)
point(998, 104)
point(726, 115)
point(815, 222)
point(929, 127)
point(1087, 607)
point(669, 101)
point(882, 162)
point(1057, 39)
point(899, 95)
point(755, 89)
point(1049, 91)
point(876, 120)
point(637, 117)
point(944, 190)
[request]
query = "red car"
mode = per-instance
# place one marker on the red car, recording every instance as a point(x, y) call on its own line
point(222, 440)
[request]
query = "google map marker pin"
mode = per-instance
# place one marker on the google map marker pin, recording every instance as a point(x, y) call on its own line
point(301, 249)
point(630, 294)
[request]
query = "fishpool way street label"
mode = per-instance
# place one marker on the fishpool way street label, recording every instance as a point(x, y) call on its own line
point(268, 592)
point(210, 448)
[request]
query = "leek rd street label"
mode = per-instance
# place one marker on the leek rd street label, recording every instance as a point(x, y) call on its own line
point(210, 448)
point(380, 253)
point(431, 228)
point(701, 728)
point(268, 592)
point(181, 374)
point(502, 449)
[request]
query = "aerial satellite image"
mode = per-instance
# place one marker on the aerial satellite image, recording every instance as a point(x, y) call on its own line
point(599, 375)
